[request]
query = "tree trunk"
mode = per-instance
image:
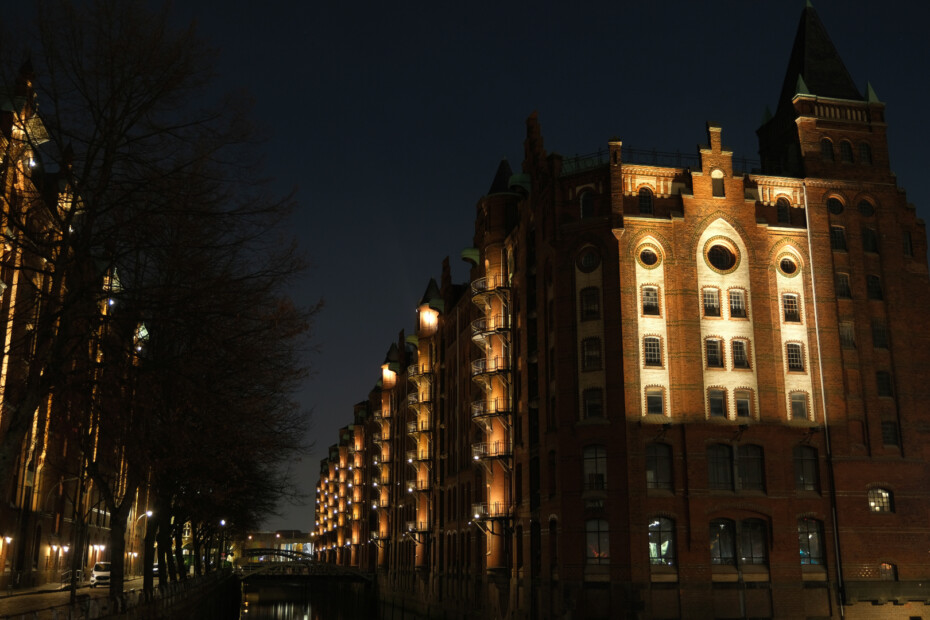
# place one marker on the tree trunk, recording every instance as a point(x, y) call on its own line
point(179, 550)
point(148, 560)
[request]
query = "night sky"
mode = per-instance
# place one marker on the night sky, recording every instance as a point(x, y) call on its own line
point(390, 121)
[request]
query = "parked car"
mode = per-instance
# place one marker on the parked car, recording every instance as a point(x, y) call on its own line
point(100, 574)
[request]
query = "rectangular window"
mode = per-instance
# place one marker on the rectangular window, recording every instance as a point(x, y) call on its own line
point(591, 354)
point(842, 286)
point(743, 399)
point(874, 287)
point(651, 301)
point(595, 468)
point(597, 542)
point(662, 541)
point(752, 542)
point(890, 433)
point(711, 302)
point(590, 302)
point(740, 354)
point(714, 353)
point(593, 402)
point(810, 541)
point(720, 467)
point(906, 245)
point(738, 304)
point(795, 357)
point(652, 351)
point(799, 406)
point(883, 383)
point(838, 238)
point(791, 307)
point(658, 466)
point(655, 401)
point(879, 335)
point(723, 542)
point(869, 240)
point(847, 335)
point(717, 403)
point(806, 474)
point(750, 468)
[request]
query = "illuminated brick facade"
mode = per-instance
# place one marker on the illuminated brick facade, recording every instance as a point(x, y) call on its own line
point(671, 389)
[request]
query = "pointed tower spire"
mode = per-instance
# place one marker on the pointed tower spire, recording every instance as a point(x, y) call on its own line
point(815, 64)
point(501, 182)
point(870, 94)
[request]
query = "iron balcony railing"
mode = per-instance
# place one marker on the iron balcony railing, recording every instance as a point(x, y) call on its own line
point(417, 455)
point(490, 365)
point(489, 324)
point(418, 485)
point(490, 407)
point(492, 510)
point(491, 450)
point(423, 426)
point(488, 283)
point(648, 157)
point(417, 526)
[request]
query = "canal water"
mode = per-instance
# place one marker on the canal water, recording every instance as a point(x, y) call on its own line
point(318, 600)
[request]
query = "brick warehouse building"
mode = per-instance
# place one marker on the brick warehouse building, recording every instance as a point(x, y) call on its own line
point(674, 389)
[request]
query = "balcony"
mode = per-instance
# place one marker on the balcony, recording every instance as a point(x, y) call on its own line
point(418, 485)
point(492, 450)
point(488, 284)
point(417, 526)
point(381, 503)
point(490, 365)
point(417, 455)
point(376, 415)
point(492, 510)
point(423, 426)
point(489, 408)
point(485, 326)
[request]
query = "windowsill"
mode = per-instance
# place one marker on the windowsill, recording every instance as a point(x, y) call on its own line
point(656, 492)
point(813, 572)
point(742, 368)
point(712, 318)
point(655, 418)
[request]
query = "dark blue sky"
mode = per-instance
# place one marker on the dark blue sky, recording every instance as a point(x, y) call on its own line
point(390, 122)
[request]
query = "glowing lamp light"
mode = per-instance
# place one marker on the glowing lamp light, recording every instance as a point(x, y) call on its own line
point(8, 539)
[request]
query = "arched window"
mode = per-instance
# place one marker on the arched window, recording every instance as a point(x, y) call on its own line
point(784, 212)
point(826, 150)
point(880, 500)
point(723, 542)
point(587, 205)
point(645, 201)
point(810, 541)
point(662, 542)
point(716, 183)
point(846, 152)
point(865, 154)
point(658, 466)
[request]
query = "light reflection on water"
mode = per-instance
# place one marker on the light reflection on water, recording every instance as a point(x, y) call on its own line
point(320, 601)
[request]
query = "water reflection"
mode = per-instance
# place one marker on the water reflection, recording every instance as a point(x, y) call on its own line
point(317, 601)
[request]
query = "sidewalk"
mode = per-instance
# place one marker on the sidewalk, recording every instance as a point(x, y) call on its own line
point(14, 603)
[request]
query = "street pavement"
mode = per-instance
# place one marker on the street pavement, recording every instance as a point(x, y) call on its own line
point(27, 600)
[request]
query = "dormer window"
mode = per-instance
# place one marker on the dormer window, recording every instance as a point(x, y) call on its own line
point(645, 201)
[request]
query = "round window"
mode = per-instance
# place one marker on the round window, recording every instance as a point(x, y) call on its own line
point(834, 206)
point(588, 261)
point(866, 208)
point(721, 257)
point(648, 257)
point(788, 266)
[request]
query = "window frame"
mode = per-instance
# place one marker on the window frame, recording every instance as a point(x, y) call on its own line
point(890, 435)
point(592, 398)
point(720, 467)
point(838, 239)
point(794, 357)
point(594, 467)
point(589, 303)
point(865, 154)
point(714, 291)
point(811, 539)
point(647, 200)
point(652, 351)
point(782, 211)
point(880, 335)
point(846, 152)
point(873, 287)
point(847, 334)
point(884, 384)
point(743, 395)
point(658, 304)
point(586, 208)
point(795, 397)
point(881, 500)
point(750, 467)
point(737, 298)
point(806, 468)
point(746, 354)
point(826, 150)
point(719, 361)
point(592, 357)
point(842, 285)
point(659, 472)
point(661, 533)
point(652, 391)
point(791, 308)
point(870, 240)
point(722, 534)
point(597, 541)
